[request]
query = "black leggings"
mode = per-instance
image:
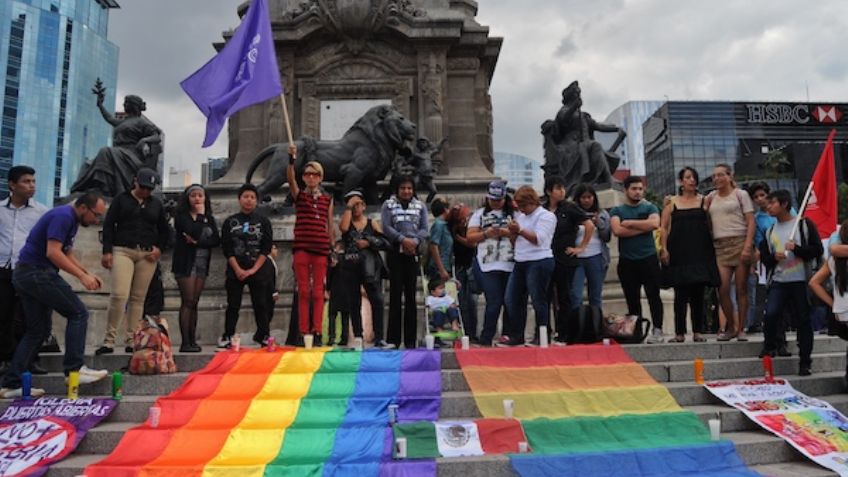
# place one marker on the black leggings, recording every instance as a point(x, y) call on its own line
point(190, 290)
point(692, 295)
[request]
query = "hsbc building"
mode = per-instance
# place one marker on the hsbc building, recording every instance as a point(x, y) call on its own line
point(779, 142)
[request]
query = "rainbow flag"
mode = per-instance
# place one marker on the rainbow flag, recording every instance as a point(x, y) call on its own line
point(592, 410)
point(285, 413)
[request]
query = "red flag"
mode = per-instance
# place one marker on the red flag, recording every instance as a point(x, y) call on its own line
point(822, 208)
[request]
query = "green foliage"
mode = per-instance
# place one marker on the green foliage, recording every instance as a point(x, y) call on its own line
point(653, 198)
point(842, 201)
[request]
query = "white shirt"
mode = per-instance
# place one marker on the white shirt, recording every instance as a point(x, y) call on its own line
point(15, 224)
point(840, 301)
point(439, 303)
point(493, 254)
point(594, 247)
point(542, 222)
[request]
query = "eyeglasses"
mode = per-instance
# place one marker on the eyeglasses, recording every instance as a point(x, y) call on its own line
point(97, 217)
point(311, 174)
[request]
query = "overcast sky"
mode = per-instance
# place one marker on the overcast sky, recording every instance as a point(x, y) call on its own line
point(619, 50)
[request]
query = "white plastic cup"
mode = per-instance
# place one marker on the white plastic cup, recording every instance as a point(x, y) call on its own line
point(430, 341)
point(153, 416)
point(235, 343)
point(400, 448)
point(308, 340)
point(466, 343)
point(393, 409)
point(357, 344)
point(543, 336)
point(523, 448)
point(715, 429)
point(509, 407)
point(606, 342)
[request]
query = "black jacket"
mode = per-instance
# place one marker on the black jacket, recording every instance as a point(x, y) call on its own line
point(810, 249)
point(129, 223)
point(246, 237)
point(569, 218)
point(184, 252)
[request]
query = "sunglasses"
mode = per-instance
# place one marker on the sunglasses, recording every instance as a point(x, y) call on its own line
point(311, 174)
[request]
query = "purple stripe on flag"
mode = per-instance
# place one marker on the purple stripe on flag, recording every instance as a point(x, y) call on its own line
point(403, 468)
point(420, 395)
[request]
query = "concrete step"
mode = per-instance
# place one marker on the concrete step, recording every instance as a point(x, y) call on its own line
point(765, 453)
point(819, 384)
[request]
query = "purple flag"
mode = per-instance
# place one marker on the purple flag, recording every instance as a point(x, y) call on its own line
point(244, 73)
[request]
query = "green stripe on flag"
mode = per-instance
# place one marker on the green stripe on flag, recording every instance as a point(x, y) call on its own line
point(420, 439)
point(585, 434)
point(308, 442)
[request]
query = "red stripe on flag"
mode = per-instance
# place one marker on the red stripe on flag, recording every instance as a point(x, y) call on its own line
point(500, 436)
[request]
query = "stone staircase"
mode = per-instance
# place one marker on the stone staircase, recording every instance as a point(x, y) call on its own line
point(670, 364)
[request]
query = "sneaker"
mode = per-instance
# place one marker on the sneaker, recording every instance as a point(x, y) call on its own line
point(50, 345)
point(88, 375)
point(383, 344)
point(804, 371)
point(656, 336)
point(103, 350)
point(13, 393)
point(503, 339)
point(224, 342)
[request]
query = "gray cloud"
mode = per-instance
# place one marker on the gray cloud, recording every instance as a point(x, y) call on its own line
point(645, 49)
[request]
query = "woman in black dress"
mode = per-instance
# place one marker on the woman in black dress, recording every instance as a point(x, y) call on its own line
point(687, 254)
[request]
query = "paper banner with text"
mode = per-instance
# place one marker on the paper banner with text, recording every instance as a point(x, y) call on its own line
point(811, 425)
point(36, 433)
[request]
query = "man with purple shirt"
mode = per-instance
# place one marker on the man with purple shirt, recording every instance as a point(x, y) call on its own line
point(49, 248)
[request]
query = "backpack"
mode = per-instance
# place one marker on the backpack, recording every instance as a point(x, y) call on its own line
point(586, 326)
point(152, 348)
point(626, 329)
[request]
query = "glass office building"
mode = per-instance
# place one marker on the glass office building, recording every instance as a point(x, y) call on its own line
point(51, 53)
point(519, 170)
point(630, 116)
point(702, 134)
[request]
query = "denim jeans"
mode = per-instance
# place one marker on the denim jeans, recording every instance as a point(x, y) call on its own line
point(42, 291)
point(794, 296)
point(528, 278)
point(590, 269)
point(494, 289)
point(467, 300)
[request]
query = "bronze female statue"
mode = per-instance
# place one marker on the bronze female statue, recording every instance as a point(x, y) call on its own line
point(136, 143)
point(571, 150)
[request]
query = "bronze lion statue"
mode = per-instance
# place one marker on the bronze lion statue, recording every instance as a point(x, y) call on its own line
point(358, 160)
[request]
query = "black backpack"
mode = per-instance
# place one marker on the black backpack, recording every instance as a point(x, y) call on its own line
point(586, 326)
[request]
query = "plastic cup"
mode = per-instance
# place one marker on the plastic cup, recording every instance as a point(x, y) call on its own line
point(606, 342)
point(154, 415)
point(715, 429)
point(357, 344)
point(509, 407)
point(393, 409)
point(430, 341)
point(466, 342)
point(543, 336)
point(308, 340)
point(400, 448)
point(523, 448)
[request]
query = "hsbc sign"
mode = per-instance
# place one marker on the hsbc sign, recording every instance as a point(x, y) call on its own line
point(793, 113)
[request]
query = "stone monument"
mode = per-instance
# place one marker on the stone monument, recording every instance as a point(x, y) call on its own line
point(430, 59)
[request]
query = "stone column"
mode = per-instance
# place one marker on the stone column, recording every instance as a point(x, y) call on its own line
point(432, 91)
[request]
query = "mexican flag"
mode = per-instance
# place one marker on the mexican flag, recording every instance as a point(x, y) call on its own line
point(460, 438)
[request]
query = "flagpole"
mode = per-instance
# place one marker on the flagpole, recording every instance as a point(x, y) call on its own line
point(800, 215)
point(286, 116)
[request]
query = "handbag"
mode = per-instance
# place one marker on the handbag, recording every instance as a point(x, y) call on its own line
point(626, 329)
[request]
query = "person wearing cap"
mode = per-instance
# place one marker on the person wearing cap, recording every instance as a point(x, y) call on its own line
point(49, 248)
point(197, 235)
point(404, 220)
point(487, 229)
point(366, 235)
point(135, 231)
point(313, 237)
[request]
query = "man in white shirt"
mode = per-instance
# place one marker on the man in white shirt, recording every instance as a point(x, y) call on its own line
point(18, 214)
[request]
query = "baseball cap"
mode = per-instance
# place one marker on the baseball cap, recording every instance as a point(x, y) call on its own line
point(497, 190)
point(147, 178)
